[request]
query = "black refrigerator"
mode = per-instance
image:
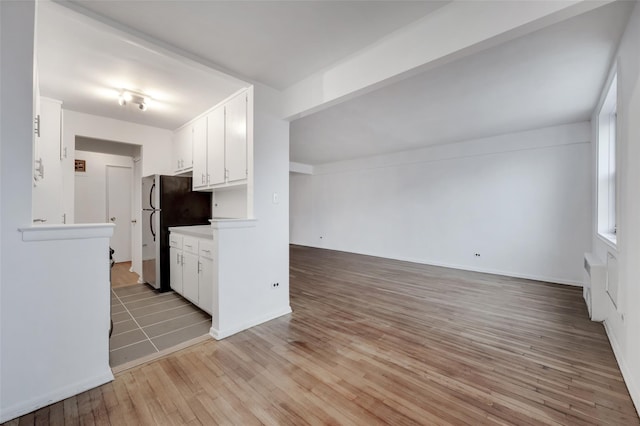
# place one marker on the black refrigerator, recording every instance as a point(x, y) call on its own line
point(167, 201)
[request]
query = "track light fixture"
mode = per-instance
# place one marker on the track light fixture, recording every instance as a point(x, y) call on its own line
point(136, 98)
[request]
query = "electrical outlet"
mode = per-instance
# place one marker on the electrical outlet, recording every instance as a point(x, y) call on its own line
point(477, 254)
point(275, 285)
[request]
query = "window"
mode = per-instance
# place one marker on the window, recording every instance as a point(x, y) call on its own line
point(607, 119)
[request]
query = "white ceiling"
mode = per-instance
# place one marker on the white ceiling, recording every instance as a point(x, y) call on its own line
point(85, 64)
point(549, 77)
point(277, 43)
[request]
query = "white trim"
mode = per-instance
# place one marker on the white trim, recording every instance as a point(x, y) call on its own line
point(221, 334)
point(632, 387)
point(608, 240)
point(543, 278)
point(67, 232)
point(198, 231)
point(25, 407)
point(302, 168)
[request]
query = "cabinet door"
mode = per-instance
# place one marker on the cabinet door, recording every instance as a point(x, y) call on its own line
point(236, 138)
point(186, 149)
point(215, 145)
point(175, 269)
point(181, 138)
point(206, 285)
point(190, 276)
point(200, 153)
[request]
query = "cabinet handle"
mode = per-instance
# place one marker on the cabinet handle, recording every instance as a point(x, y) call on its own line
point(39, 220)
point(39, 169)
point(177, 258)
point(203, 178)
point(208, 177)
point(199, 266)
point(37, 125)
point(206, 251)
point(178, 166)
point(182, 260)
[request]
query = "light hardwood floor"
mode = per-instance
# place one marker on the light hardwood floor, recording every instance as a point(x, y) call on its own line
point(376, 341)
point(121, 276)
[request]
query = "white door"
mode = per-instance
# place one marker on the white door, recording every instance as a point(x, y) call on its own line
point(119, 182)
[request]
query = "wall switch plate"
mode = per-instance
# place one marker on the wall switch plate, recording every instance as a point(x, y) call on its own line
point(276, 198)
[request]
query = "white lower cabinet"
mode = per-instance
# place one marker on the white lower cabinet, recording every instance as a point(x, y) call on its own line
point(175, 271)
point(206, 279)
point(192, 269)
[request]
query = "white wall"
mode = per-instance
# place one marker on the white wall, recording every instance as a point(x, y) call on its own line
point(91, 186)
point(623, 323)
point(53, 324)
point(156, 149)
point(262, 257)
point(230, 203)
point(519, 200)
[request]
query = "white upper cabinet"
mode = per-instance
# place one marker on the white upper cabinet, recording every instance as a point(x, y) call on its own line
point(220, 145)
point(216, 146)
point(236, 138)
point(200, 153)
point(183, 149)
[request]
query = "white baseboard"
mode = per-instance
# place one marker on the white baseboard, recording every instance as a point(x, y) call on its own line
point(554, 280)
point(632, 386)
point(221, 334)
point(25, 407)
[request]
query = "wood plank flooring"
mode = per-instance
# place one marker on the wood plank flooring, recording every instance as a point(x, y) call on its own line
point(121, 276)
point(375, 341)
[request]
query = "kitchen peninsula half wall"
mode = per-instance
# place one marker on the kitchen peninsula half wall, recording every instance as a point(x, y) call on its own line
point(211, 267)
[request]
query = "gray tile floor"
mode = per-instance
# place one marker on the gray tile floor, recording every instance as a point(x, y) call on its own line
point(146, 321)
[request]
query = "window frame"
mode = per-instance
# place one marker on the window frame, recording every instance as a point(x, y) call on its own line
point(607, 163)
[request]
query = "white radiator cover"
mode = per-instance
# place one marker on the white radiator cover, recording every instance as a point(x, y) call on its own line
point(594, 290)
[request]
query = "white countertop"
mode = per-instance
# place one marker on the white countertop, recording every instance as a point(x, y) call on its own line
point(200, 231)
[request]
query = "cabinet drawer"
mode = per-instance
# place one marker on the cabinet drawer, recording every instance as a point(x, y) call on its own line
point(175, 240)
point(190, 245)
point(207, 249)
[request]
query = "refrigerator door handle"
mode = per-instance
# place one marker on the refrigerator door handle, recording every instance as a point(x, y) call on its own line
point(153, 232)
point(151, 195)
